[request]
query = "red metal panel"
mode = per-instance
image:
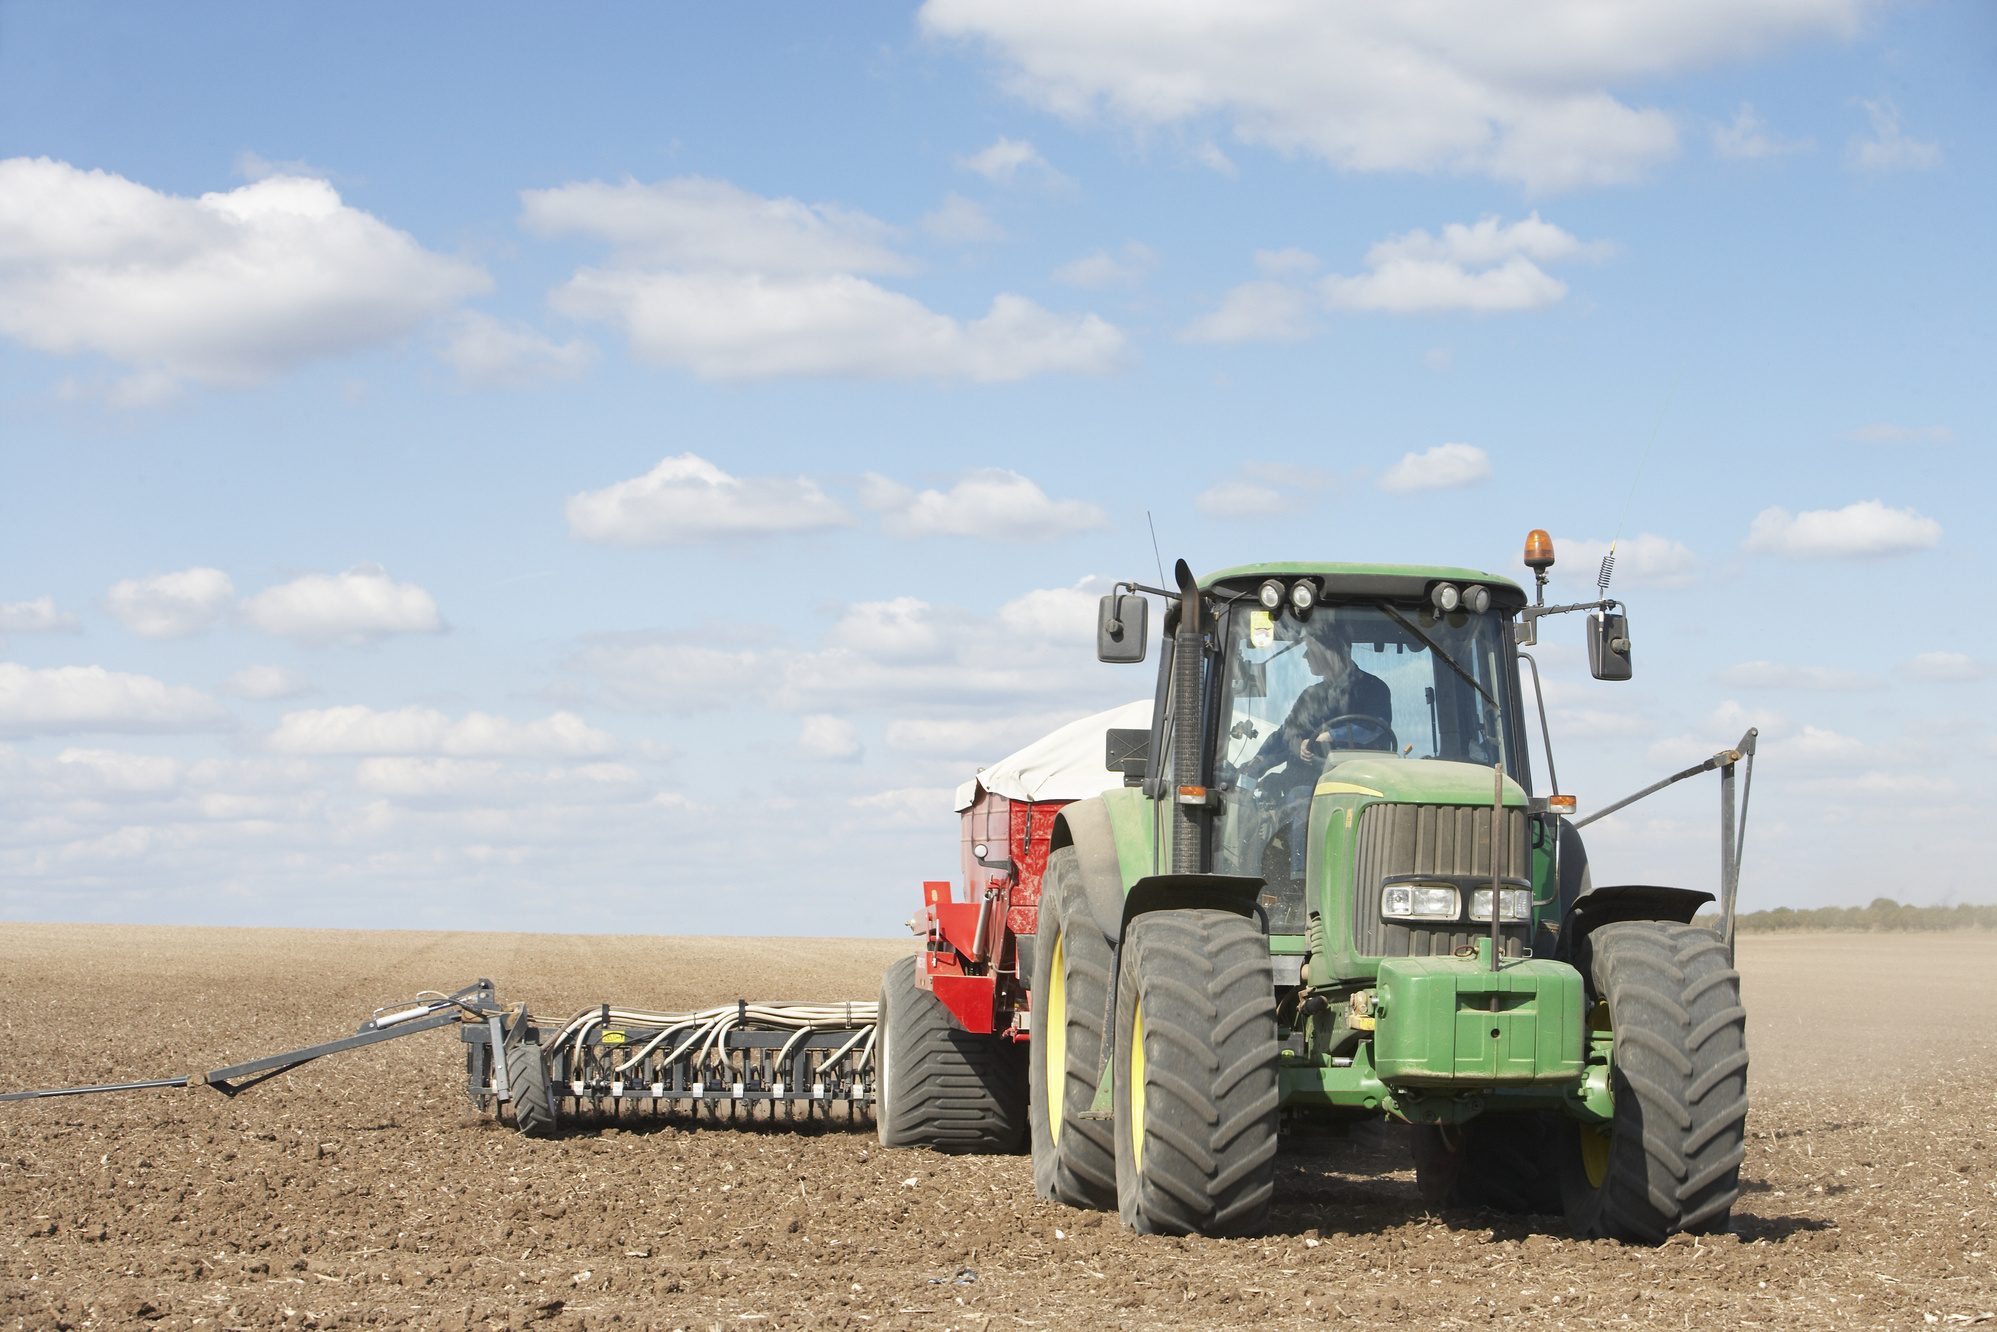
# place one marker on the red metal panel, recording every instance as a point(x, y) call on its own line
point(969, 999)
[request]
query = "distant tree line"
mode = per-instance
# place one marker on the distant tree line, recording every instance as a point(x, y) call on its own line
point(1882, 915)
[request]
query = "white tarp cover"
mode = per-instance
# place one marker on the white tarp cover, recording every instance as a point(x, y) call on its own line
point(1063, 765)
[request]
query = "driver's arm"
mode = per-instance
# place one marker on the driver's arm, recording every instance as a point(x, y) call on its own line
point(1286, 742)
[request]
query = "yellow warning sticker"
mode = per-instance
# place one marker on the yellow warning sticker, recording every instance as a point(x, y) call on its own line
point(611, 1038)
point(1261, 628)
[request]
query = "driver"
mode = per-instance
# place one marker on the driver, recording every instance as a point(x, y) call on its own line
point(1342, 690)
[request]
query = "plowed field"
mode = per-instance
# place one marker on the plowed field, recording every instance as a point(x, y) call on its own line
point(361, 1190)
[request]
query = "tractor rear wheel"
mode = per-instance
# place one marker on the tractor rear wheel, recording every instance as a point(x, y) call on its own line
point(1501, 1160)
point(1074, 1159)
point(531, 1090)
point(1670, 1159)
point(937, 1085)
point(1196, 1091)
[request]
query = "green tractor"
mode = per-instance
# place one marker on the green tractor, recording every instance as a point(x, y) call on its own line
point(1328, 891)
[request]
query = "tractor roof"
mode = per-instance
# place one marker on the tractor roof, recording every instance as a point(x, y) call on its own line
point(1409, 581)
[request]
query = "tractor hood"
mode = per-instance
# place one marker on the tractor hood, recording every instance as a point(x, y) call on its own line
point(1415, 781)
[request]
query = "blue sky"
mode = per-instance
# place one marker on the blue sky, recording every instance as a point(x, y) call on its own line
point(485, 465)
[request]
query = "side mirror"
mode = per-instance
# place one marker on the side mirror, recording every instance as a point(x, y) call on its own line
point(1120, 628)
point(1127, 750)
point(1608, 645)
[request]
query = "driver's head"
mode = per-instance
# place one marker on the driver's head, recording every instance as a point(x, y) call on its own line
point(1328, 648)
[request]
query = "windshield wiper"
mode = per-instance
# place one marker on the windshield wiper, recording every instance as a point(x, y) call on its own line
point(1442, 656)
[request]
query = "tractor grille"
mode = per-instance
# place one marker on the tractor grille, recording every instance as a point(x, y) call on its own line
point(1428, 839)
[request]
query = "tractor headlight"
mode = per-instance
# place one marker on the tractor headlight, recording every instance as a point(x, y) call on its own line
point(1518, 904)
point(1303, 596)
point(1270, 594)
point(1419, 901)
point(1476, 599)
point(1446, 597)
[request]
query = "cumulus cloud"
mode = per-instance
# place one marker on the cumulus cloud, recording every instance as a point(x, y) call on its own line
point(1011, 162)
point(1772, 675)
point(1866, 530)
point(1258, 489)
point(827, 737)
point(990, 503)
point(1484, 266)
point(226, 290)
point(172, 605)
point(1883, 433)
point(1889, 148)
point(1645, 560)
point(1522, 93)
point(1256, 312)
point(1444, 467)
point(362, 605)
point(70, 700)
point(358, 729)
point(486, 350)
point(961, 221)
point(1749, 138)
point(686, 500)
point(1947, 668)
point(266, 682)
point(968, 738)
point(733, 286)
point(39, 616)
point(1101, 270)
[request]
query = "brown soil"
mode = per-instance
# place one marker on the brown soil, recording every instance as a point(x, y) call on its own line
point(362, 1190)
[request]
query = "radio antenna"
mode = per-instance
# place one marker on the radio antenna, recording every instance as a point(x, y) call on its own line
point(1154, 547)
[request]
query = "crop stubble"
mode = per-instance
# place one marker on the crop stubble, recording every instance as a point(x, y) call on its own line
point(361, 1190)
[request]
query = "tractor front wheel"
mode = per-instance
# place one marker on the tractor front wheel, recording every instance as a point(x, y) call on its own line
point(1074, 1159)
point(937, 1085)
point(1196, 1086)
point(1670, 1158)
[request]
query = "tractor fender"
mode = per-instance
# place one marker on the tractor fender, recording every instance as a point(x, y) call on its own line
point(1085, 825)
point(1618, 902)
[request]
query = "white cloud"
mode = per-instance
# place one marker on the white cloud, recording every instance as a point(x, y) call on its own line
point(827, 737)
point(1947, 668)
point(173, 605)
point(1645, 560)
point(1012, 161)
point(266, 682)
point(1517, 92)
point(1444, 467)
point(226, 290)
point(68, 700)
point(1257, 490)
point(1256, 312)
point(989, 503)
point(1883, 433)
point(687, 499)
point(35, 617)
point(1772, 675)
point(1484, 267)
point(486, 350)
point(358, 729)
point(1866, 530)
point(973, 739)
point(1889, 149)
point(362, 605)
point(1100, 270)
point(961, 221)
point(733, 286)
point(1748, 138)
point(1815, 742)
point(906, 807)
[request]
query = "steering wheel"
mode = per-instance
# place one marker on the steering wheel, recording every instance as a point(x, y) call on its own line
point(1382, 731)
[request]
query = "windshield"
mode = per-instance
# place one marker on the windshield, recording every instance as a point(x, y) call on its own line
point(1350, 680)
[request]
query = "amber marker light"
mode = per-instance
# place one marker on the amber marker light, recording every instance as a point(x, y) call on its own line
point(1538, 549)
point(1561, 804)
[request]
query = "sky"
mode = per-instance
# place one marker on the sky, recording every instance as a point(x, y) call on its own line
point(621, 468)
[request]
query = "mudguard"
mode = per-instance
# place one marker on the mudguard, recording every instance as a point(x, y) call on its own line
point(1617, 902)
point(1085, 825)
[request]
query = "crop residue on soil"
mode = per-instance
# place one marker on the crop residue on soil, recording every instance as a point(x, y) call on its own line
point(361, 1190)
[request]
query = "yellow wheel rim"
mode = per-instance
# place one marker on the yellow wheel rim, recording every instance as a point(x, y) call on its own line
point(1597, 1140)
point(1137, 1084)
point(1055, 1056)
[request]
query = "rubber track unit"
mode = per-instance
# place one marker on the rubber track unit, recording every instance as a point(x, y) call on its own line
point(1210, 1094)
point(1504, 1161)
point(941, 1086)
point(1079, 1170)
point(531, 1095)
point(1680, 1086)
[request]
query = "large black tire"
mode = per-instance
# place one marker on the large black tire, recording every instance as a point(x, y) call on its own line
point(1670, 1160)
point(1502, 1160)
point(938, 1085)
point(1196, 1089)
point(1074, 1159)
point(531, 1091)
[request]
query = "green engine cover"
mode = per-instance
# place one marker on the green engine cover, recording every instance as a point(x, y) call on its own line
point(1437, 1027)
